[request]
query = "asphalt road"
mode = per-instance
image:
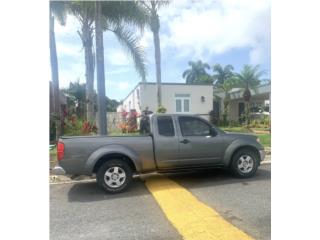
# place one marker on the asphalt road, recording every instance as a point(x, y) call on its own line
point(83, 211)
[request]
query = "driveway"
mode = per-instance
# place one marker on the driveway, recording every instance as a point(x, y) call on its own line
point(83, 211)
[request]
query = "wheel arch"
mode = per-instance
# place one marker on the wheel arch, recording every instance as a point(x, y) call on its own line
point(234, 148)
point(106, 153)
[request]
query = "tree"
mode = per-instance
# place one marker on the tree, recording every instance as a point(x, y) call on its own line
point(113, 13)
point(222, 73)
point(226, 87)
point(152, 8)
point(56, 10)
point(223, 80)
point(197, 73)
point(249, 79)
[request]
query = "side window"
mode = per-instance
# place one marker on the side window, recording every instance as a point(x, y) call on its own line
point(165, 126)
point(193, 127)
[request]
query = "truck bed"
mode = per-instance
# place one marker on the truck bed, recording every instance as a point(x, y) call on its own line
point(78, 149)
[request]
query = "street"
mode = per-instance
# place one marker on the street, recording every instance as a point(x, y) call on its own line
point(83, 211)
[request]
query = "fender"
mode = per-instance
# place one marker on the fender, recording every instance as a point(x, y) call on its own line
point(236, 144)
point(109, 149)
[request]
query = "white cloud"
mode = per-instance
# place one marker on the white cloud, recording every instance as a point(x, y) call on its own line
point(214, 27)
point(71, 74)
point(65, 49)
point(122, 85)
point(117, 57)
point(71, 27)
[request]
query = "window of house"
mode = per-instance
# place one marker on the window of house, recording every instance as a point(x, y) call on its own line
point(165, 126)
point(191, 126)
point(182, 103)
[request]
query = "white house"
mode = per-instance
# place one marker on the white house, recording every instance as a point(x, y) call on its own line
point(176, 98)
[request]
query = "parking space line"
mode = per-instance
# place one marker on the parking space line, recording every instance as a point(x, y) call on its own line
point(193, 219)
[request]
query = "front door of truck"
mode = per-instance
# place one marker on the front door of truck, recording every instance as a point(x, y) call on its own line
point(198, 146)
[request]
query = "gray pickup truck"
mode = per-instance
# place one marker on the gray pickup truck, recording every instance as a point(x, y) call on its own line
point(173, 143)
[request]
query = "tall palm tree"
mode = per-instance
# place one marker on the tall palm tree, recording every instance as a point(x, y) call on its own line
point(116, 17)
point(57, 10)
point(113, 13)
point(152, 8)
point(249, 79)
point(196, 73)
point(222, 73)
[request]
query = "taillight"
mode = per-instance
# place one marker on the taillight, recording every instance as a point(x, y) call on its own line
point(60, 150)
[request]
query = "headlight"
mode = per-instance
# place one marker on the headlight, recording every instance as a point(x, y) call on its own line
point(258, 140)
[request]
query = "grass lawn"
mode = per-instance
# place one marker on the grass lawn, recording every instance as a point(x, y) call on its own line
point(265, 138)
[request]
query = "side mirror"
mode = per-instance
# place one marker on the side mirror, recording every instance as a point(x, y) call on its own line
point(213, 132)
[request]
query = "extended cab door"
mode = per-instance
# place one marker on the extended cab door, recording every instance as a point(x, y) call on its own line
point(197, 143)
point(166, 142)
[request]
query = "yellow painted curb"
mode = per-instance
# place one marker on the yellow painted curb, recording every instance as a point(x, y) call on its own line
point(193, 219)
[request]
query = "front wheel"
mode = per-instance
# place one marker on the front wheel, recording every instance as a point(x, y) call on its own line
point(245, 163)
point(114, 176)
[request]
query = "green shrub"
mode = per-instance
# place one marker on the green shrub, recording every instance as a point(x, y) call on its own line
point(161, 109)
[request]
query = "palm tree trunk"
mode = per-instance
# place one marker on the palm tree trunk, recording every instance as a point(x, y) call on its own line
point(55, 79)
point(102, 130)
point(89, 62)
point(155, 26)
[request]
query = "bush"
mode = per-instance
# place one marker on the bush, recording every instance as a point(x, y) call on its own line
point(161, 109)
point(76, 127)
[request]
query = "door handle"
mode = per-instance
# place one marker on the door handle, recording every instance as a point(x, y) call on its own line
point(185, 141)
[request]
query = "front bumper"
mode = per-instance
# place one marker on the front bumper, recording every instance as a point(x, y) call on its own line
point(57, 170)
point(262, 155)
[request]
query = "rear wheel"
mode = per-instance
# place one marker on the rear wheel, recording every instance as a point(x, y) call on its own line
point(245, 163)
point(114, 176)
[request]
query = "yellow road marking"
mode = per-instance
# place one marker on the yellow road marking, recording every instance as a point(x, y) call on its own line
point(192, 218)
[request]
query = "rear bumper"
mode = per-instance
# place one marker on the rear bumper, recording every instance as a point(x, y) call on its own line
point(262, 155)
point(57, 170)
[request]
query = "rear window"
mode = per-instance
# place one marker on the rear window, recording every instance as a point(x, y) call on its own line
point(165, 126)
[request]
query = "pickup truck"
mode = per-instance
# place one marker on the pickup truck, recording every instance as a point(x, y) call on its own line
point(173, 143)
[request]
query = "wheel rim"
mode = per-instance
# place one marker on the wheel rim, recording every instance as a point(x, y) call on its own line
point(114, 177)
point(245, 164)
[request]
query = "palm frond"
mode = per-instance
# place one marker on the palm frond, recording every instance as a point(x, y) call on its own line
point(131, 43)
point(59, 9)
point(130, 13)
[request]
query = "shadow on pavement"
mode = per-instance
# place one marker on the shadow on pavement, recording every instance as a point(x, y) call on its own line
point(90, 192)
point(217, 177)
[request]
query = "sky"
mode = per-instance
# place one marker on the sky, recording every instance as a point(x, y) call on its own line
point(235, 32)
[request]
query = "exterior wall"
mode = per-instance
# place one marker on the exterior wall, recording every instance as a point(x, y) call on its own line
point(146, 96)
point(149, 97)
point(132, 100)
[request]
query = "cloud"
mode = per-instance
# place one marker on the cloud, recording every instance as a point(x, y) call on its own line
point(71, 74)
point(71, 27)
point(122, 85)
point(215, 27)
point(65, 49)
point(117, 57)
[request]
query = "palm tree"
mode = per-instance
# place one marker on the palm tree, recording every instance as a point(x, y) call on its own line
point(249, 79)
point(56, 10)
point(222, 73)
point(196, 73)
point(226, 87)
point(223, 80)
point(113, 13)
point(152, 8)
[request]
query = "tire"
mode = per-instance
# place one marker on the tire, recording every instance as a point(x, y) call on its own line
point(114, 176)
point(245, 163)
